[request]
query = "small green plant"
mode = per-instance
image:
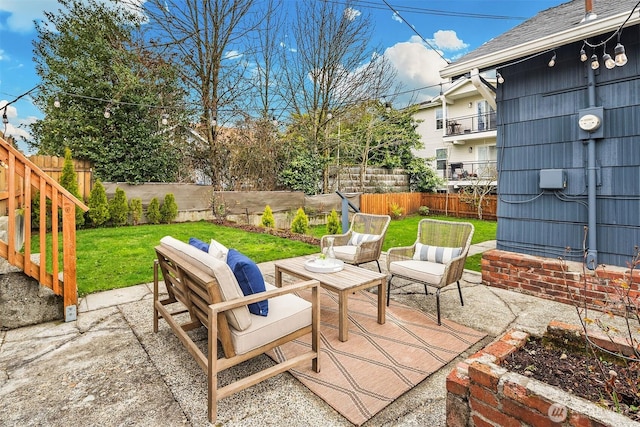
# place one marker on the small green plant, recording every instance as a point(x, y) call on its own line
point(119, 208)
point(423, 210)
point(300, 223)
point(333, 223)
point(396, 211)
point(267, 217)
point(135, 209)
point(169, 209)
point(98, 205)
point(153, 211)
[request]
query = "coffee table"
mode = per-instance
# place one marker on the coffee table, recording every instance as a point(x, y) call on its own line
point(349, 279)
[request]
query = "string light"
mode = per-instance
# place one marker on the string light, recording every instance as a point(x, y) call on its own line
point(56, 102)
point(107, 112)
point(583, 54)
point(552, 61)
point(621, 57)
point(594, 62)
point(165, 119)
point(608, 61)
point(5, 119)
point(499, 77)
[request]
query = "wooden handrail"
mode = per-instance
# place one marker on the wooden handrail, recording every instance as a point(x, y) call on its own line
point(23, 180)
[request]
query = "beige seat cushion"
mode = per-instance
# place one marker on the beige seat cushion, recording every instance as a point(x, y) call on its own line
point(425, 271)
point(239, 318)
point(287, 314)
point(345, 253)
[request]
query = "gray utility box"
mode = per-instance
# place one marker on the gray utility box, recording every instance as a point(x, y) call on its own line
point(553, 179)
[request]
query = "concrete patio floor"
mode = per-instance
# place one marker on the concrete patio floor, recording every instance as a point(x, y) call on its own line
point(103, 368)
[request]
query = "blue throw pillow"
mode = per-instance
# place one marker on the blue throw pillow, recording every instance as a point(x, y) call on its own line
point(199, 244)
point(249, 278)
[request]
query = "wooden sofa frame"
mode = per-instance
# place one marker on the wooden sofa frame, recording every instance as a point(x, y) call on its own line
point(200, 297)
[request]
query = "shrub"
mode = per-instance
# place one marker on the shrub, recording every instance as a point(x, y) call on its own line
point(267, 217)
point(333, 222)
point(119, 208)
point(69, 180)
point(135, 209)
point(396, 211)
point(423, 210)
point(153, 211)
point(300, 223)
point(169, 209)
point(98, 205)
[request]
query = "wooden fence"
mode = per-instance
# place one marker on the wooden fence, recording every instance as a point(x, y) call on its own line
point(52, 166)
point(438, 203)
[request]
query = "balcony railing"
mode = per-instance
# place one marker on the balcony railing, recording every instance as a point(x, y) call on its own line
point(471, 124)
point(481, 170)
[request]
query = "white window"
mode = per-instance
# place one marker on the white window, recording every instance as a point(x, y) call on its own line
point(441, 158)
point(439, 123)
point(486, 116)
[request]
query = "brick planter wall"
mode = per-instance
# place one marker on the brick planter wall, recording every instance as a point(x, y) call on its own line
point(558, 281)
point(481, 393)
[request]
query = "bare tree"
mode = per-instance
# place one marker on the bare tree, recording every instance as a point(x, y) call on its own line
point(482, 184)
point(329, 65)
point(207, 38)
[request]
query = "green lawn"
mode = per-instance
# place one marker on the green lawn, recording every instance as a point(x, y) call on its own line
point(110, 258)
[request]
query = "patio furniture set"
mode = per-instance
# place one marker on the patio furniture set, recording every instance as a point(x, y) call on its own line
point(220, 289)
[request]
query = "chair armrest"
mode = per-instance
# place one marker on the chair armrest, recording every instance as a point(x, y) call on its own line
point(239, 302)
point(401, 253)
point(338, 240)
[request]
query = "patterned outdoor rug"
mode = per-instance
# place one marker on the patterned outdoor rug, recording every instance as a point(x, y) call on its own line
point(378, 363)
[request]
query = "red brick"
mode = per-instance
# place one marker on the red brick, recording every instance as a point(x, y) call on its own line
point(457, 384)
point(500, 349)
point(526, 414)
point(579, 420)
point(483, 394)
point(520, 394)
point(492, 414)
point(484, 375)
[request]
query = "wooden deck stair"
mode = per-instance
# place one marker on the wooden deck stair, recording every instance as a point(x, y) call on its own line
point(20, 181)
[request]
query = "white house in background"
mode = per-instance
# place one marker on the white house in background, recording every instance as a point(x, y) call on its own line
point(458, 129)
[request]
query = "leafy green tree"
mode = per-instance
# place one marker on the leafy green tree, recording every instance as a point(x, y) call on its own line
point(98, 205)
point(89, 57)
point(169, 209)
point(135, 209)
point(303, 173)
point(333, 223)
point(267, 217)
point(119, 208)
point(300, 223)
point(422, 178)
point(69, 180)
point(153, 211)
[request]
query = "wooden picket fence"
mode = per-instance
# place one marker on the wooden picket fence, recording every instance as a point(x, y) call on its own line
point(438, 203)
point(52, 166)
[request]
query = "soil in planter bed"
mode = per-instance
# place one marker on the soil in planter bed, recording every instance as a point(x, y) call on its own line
point(579, 375)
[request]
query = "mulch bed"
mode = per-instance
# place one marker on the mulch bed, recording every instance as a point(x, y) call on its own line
point(580, 375)
point(286, 234)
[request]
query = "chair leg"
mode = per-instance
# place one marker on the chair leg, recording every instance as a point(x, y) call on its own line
point(379, 269)
point(460, 292)
point(389, 289)
point(426, 292)
point(438, 304)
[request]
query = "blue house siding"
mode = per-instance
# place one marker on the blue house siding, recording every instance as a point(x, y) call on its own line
point(537, 129)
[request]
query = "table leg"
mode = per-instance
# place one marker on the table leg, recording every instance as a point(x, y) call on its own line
point(343, 320)
point(382, 299)
point(278, 277)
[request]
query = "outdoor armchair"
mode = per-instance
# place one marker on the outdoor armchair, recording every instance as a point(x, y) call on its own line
point(436, 258)
point(363, 241)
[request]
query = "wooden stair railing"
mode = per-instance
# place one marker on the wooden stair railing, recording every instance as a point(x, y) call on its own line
point(23, 179)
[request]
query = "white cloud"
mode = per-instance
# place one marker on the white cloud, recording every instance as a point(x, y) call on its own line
point(17, 127)
point(417, 67)
point(3, 55)
point(396, 17)
point(448, 40)
point(233, 54)
point(351, 13)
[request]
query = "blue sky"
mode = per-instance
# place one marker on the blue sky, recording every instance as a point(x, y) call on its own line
point(453, 27)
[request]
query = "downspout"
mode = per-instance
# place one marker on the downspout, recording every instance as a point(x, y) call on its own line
point(592, 243)
point(488, 93)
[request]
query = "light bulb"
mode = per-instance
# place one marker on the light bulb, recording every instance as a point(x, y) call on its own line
point(329, 116)
point(500, 78)
point(608, 61)
point(5, 119)
point(594, 62)
point(552, 62)
point(107, 113)
point(583, 55)
point(621, 57)
point(56, 102)
point(165, 119)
